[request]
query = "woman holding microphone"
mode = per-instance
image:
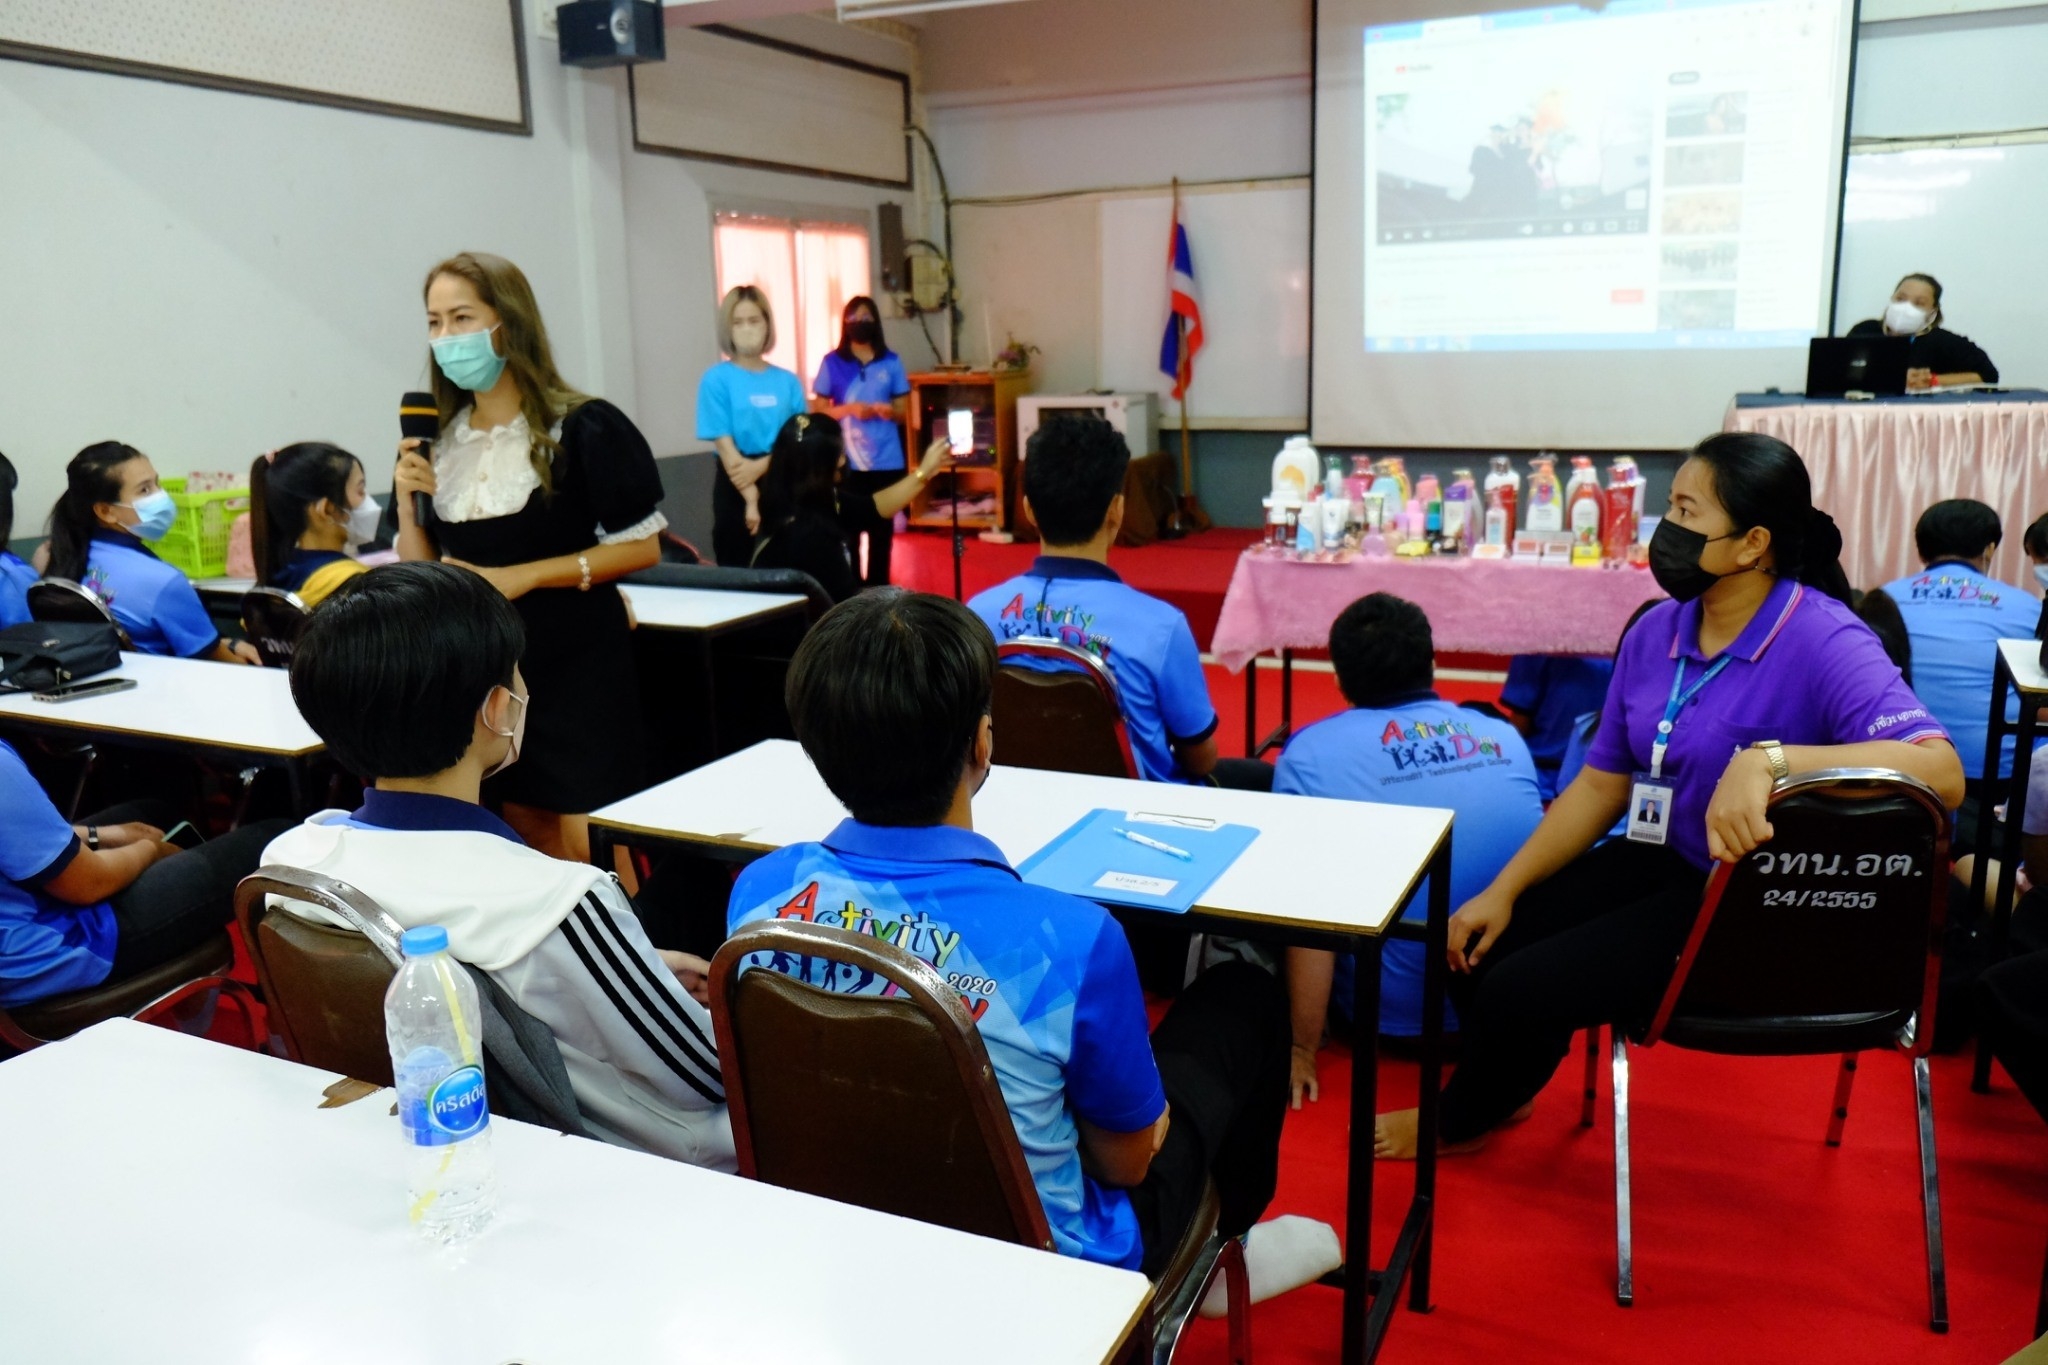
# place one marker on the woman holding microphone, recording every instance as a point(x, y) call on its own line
point(552, 496)
point(742, 403)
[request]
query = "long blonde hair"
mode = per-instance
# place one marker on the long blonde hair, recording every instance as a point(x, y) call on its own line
point(545, 398)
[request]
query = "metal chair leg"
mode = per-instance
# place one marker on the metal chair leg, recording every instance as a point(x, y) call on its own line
point(2041, 1304)
point(1237, 1283)
point(1930, 1198)
point(247, 778)
point(1592, 1076)
point(1624, 1242)
point(1843, 1081)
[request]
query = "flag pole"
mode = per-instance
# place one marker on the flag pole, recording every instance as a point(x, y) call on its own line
point(1189, 517)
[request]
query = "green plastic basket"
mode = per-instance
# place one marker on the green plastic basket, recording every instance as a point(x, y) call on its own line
point(197, 543)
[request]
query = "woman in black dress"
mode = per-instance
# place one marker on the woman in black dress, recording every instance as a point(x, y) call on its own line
point(1939, 357)
point(553, 496)
point(808, 511)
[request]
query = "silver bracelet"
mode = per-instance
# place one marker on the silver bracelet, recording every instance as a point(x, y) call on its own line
point(583, 563)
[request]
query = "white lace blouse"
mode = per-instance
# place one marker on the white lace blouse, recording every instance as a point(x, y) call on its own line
point(483, 474)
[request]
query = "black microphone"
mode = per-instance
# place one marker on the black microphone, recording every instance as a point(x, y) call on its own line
point(419, 416)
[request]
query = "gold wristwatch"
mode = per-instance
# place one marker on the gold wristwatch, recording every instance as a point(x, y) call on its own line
point(1775, 753)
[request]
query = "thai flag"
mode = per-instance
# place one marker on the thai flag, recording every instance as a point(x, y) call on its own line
point(1180, 271)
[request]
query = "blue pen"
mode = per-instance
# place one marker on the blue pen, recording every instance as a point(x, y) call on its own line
point(1168, 849)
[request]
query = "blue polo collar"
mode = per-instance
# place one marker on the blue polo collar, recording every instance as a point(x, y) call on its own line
point(916, 844)
point(310, 560)
point(419, 811)
point(1064, 566)
point(1400, 699)
point(124, 540)
point(1756, 637)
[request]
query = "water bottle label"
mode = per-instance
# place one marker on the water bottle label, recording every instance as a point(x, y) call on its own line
point(456, 1107)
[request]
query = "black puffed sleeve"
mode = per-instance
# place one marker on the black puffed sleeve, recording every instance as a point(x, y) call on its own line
point(615, 464)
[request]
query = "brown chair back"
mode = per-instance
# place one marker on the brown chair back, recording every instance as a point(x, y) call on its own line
point(272, 618)
point(888, 1102)
point(1066, 718)
point(324, 985)
point(1827, 938)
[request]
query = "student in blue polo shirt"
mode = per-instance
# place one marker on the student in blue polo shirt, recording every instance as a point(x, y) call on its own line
point(889, 695)
point(741, 403)
point(105, 899)
point(111, 508)
point(1403, 745)
point(1073, 491)
point(862, 383)
point(15, 575)
point(1956, 614)
point(1546, 693)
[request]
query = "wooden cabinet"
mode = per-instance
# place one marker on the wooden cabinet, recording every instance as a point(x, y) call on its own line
point(986, 481)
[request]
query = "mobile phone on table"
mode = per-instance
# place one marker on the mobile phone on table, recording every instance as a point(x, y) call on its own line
point(960, 430)
point(183, 835)
point(90, 687)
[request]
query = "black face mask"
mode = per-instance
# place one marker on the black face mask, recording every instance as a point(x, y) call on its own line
point(864, 331)
point(1675, 560)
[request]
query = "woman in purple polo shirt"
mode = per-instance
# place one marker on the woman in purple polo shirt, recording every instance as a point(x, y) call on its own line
point(1757, 656)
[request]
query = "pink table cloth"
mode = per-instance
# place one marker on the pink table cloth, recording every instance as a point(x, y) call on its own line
point(1475, 606)
point(1877, 466)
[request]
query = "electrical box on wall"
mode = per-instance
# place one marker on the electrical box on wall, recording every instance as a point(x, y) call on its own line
point(597, 33)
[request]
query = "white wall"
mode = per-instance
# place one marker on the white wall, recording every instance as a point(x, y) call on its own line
point(208, 275)
point(1060, 101)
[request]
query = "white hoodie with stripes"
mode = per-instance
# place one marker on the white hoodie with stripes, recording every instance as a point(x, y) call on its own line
point(564, 941)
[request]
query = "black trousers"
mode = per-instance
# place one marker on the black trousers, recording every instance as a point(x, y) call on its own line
point(732, 544)
point(1222, 1051)
point(2012, 1009)
point(1593, 945)
point(1243, 774)
point(181, 902)
point(880, 530)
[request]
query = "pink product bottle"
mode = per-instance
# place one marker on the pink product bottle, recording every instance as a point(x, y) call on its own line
point(1359, 481)
point(1546, 499)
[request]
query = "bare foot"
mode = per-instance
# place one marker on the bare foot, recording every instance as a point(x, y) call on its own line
point(1394, 1138)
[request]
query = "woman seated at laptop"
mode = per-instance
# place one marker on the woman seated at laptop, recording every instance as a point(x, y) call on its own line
point(307, 508)
point(809, 516)
point(1939, 357)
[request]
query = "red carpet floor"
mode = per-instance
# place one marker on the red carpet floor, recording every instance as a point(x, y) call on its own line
point(1755, 1242)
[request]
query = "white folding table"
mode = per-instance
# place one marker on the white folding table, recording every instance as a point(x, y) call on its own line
point(228, 713)
point(1322, 873)
point(183, 1202)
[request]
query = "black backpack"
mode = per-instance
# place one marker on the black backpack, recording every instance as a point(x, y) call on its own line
point(38, 655)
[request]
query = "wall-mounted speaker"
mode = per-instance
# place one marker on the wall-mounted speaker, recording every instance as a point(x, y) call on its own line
point(611, 32)
point(895, 266)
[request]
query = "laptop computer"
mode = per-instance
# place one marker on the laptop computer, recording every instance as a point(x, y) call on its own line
point(1865, 364)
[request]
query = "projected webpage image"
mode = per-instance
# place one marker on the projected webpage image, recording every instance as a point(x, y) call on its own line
point(1655, 174)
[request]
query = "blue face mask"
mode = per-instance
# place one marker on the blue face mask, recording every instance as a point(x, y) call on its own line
point(468, 360)
point(155, 514)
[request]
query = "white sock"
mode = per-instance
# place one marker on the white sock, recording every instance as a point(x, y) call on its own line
point(1280, 1254)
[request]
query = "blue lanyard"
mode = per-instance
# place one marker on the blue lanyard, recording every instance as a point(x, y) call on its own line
point(1673, 706)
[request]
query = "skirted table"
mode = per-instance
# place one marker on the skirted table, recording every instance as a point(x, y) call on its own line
point(1475, 606)
point(1878, 464)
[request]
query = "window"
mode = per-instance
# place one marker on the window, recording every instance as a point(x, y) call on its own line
point(807, 270)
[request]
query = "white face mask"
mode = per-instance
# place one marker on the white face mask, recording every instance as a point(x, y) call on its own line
point(2041, 576)
point(363, 522)
point(1904, 319)
point(517, 734)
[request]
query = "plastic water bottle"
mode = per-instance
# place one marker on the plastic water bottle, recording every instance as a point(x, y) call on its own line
point(435, 1032)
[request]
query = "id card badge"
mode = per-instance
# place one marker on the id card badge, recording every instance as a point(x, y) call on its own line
point(1649, 809)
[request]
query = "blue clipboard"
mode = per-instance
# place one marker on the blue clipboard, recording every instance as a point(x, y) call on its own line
point(1096, 859)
